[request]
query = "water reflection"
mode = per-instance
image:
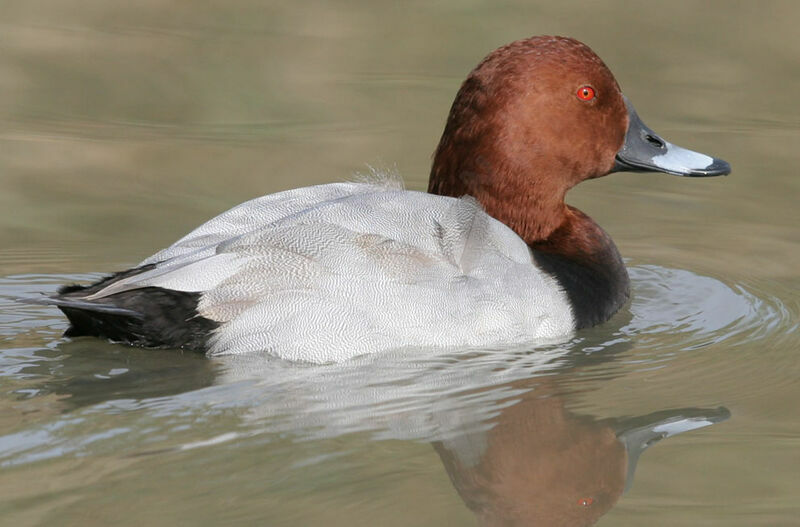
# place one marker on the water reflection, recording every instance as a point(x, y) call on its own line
point(500, 421)
point(541, 464)
point(87, 372)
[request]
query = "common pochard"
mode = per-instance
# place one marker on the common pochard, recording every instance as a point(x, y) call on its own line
point(489, 256)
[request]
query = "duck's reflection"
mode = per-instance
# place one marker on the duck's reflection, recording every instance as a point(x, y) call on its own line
point(541, 464)
point(87, 371)
point(500, 421)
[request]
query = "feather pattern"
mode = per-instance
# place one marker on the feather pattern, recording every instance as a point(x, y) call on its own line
point(325, 273)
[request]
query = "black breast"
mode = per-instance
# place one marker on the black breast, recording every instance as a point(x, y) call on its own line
point(582, 257)
point(595, 292)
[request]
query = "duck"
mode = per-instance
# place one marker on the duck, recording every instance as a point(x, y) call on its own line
point(491, 255)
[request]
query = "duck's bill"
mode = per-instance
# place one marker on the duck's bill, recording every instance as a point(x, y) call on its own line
point(646, 151)
point(639, 433)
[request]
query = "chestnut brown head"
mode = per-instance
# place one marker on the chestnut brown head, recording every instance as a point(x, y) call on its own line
point(535, 118)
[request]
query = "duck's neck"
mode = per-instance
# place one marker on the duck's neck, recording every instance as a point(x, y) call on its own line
point(565, 243)
point(586, 263)
point(532, 206)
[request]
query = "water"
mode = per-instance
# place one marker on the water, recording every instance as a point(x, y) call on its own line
point(122, 127)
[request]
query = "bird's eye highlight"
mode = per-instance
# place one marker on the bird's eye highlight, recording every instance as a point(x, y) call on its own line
point(585, 93)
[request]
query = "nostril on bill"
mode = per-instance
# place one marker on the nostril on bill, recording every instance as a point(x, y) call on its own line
point(655, 141)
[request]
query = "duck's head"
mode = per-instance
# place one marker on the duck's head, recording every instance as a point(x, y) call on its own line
point(535, 118)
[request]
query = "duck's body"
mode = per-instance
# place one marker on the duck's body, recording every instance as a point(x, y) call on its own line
point(329, 272)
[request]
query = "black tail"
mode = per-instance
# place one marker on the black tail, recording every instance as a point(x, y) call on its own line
point(152, 317)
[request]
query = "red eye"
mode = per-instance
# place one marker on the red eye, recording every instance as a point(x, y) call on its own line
point(585, 501)
point(585, 93)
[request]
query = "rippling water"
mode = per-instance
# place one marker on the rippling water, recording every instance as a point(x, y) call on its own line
point(122, 127)
point(480, 409)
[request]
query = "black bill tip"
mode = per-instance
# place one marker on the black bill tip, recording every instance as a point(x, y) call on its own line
point(719, 167)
